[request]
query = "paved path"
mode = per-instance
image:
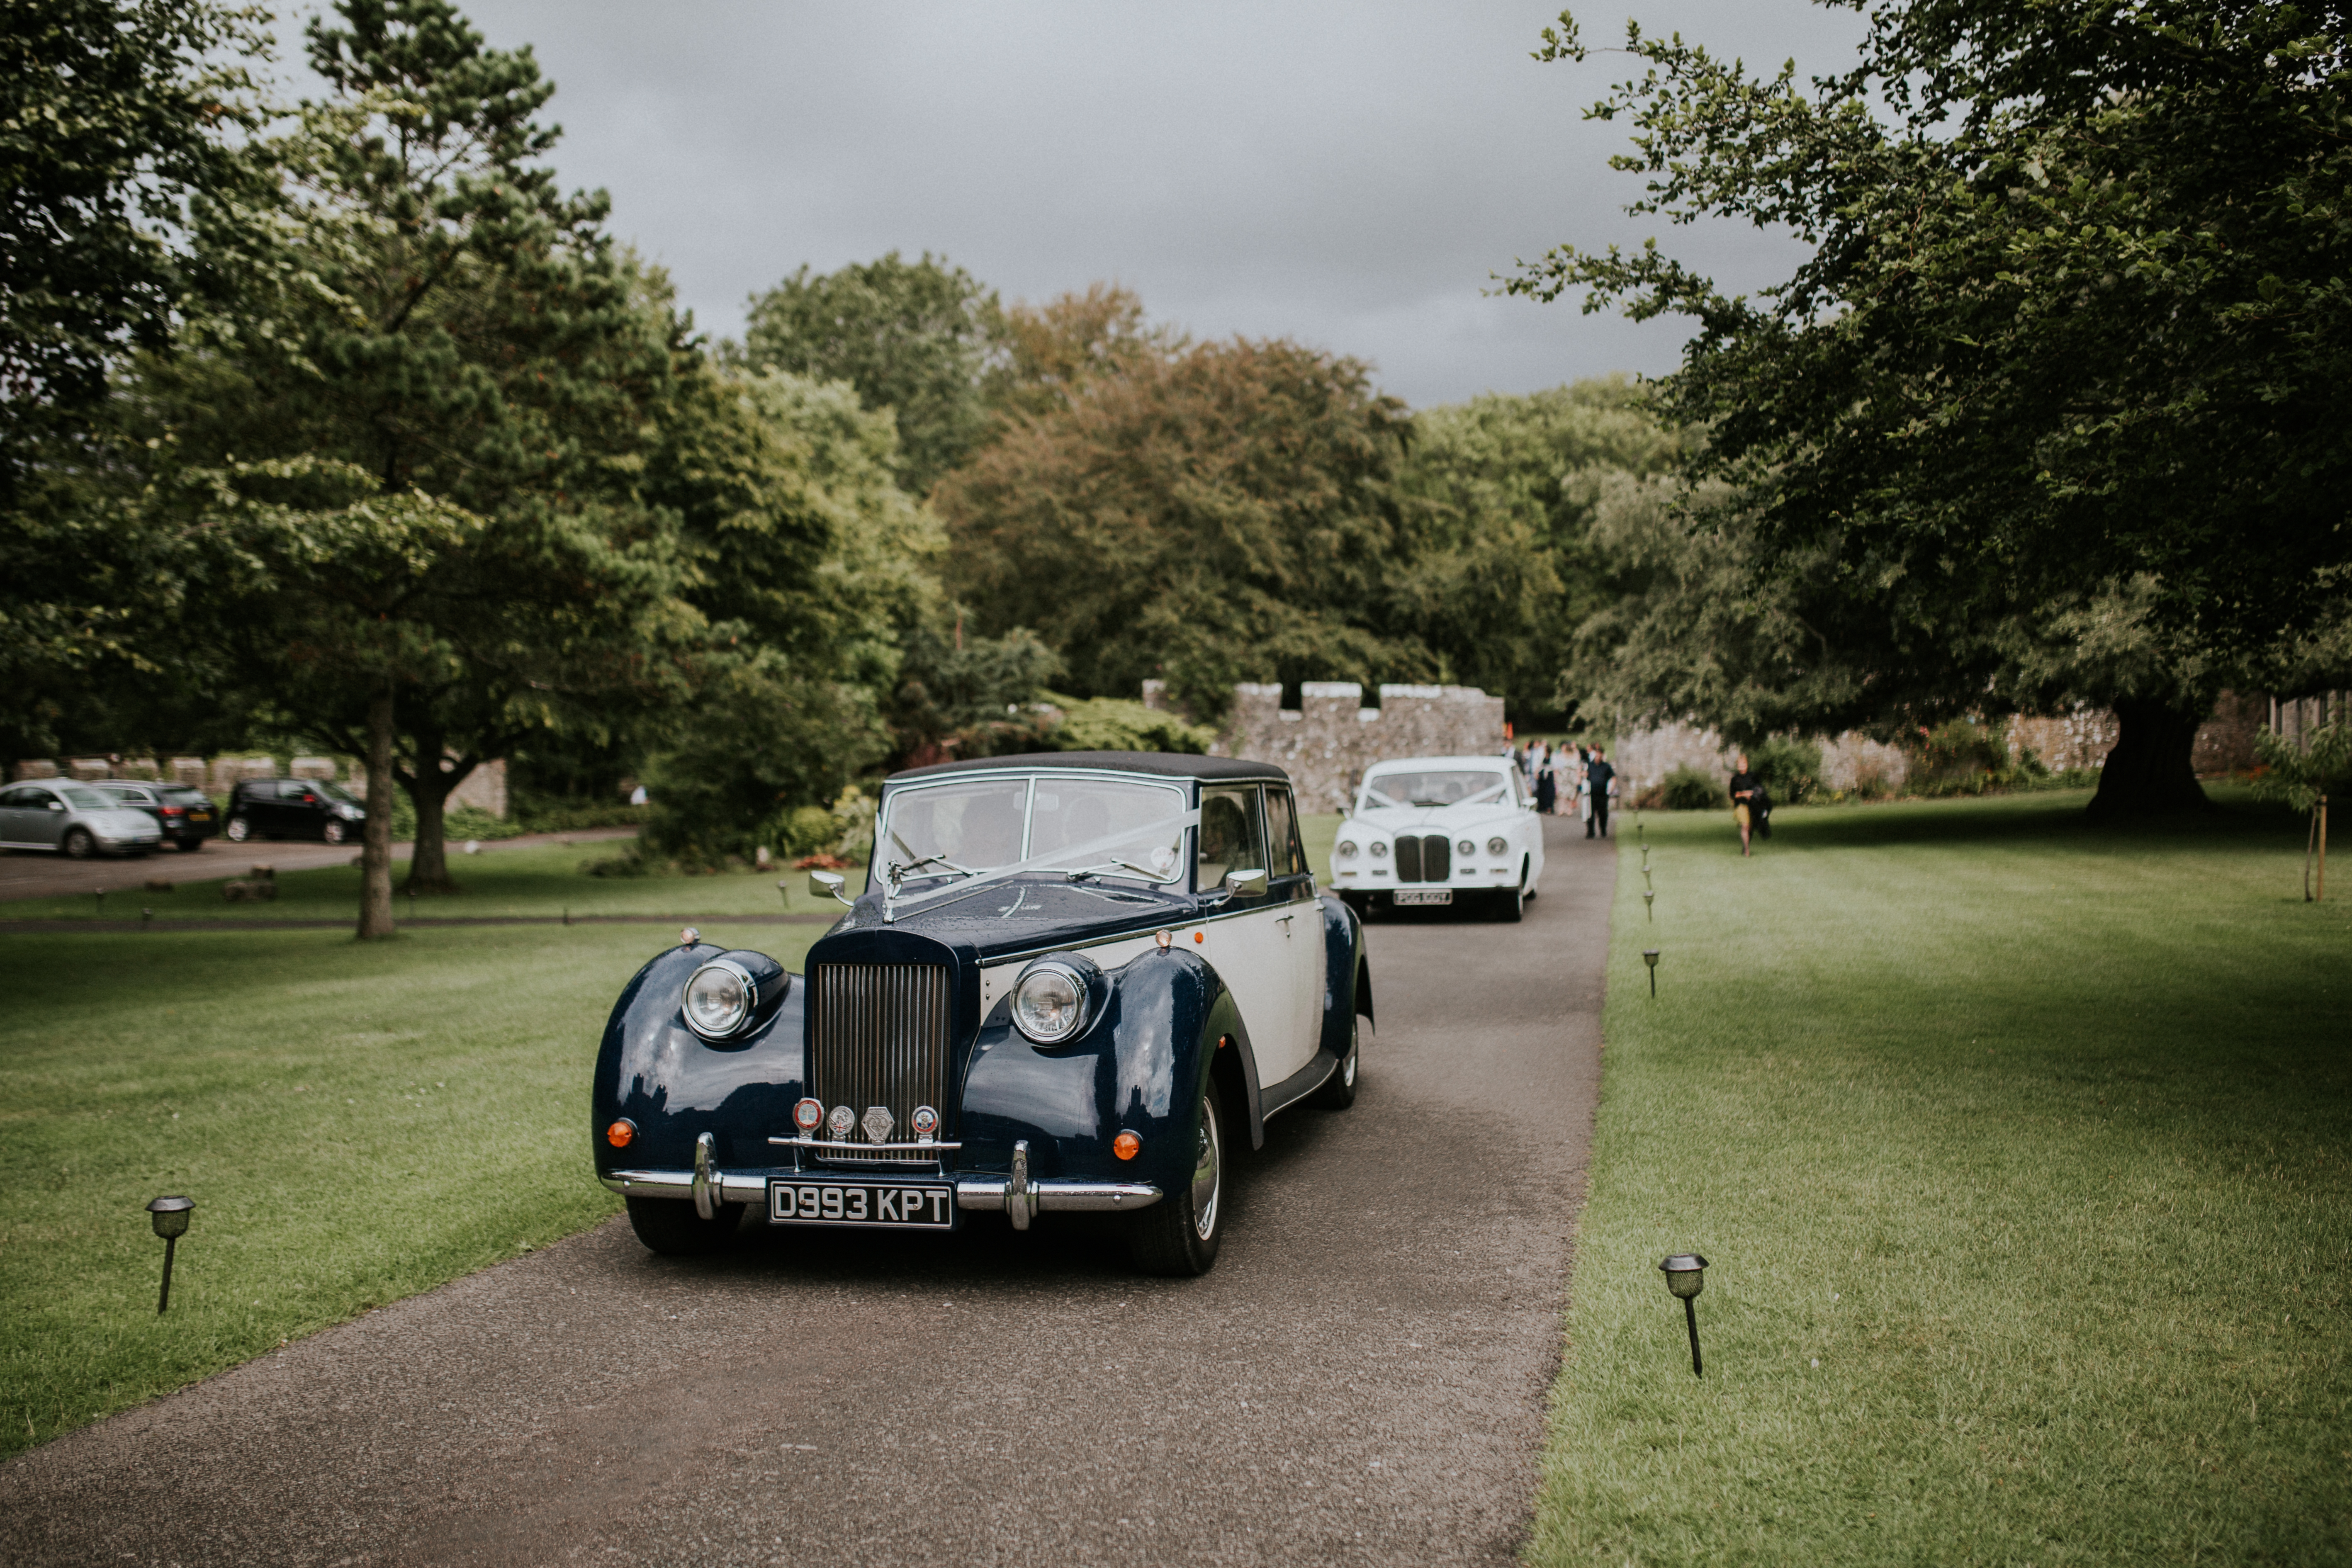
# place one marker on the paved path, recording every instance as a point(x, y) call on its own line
point(42, 874)
point(1361, 1379)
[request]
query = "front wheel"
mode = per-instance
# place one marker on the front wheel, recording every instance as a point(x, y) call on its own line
point(671, 1227)
point(1512, 906)
point(1338, 1091)
point(239, 830)
point(79, 845)
point(1180, 1233)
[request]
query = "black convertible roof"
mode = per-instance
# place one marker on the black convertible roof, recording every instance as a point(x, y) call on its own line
point(1172, 764)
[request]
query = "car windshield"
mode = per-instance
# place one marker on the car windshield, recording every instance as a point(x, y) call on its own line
point(1073, 825)
point(1436, 786)
point(89, 800)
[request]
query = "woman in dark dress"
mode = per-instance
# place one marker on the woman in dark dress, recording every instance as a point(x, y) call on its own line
point(1547, 786)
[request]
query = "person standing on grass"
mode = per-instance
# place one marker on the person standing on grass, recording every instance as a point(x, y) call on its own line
point(1745, 787)
point(1602, 776)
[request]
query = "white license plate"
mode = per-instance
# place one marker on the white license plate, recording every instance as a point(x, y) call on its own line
point(1405, 897)
point(803, 1199)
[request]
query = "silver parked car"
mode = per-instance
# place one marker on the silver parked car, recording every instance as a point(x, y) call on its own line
point(57, 813)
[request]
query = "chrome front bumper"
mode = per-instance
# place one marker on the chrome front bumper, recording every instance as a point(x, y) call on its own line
point(975, 1193)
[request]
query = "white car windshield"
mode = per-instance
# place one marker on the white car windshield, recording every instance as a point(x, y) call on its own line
point(1116, 830)
point(1435, 787)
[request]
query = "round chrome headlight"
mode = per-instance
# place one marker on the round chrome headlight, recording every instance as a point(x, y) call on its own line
point(1347, 850)
point(1049, 1001)
point(1380, 850)
point(1497, 847)
point(1467, 847)
point(718, 998)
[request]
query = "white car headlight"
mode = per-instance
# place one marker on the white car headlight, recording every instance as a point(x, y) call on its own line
point(1497, 847)
point(1466, 848)
point(1347, 849)
point(1049, 1001)
point(1380, 850)
point(718, 998)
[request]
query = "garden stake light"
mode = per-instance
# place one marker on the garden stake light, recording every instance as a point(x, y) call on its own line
point(1685, 1275)
point(1649, 908)
point(1646, 878)
point(170, 1217)
point(146, 918)
point(785, 887)
point(1650, 957)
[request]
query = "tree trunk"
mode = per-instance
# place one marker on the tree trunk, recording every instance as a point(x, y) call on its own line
point(375, 855)
point(2149, 773)
point(429, 788)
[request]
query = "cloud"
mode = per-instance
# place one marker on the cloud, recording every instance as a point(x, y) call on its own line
point(1346, 174)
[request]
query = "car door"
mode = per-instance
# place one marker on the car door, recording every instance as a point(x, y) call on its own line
point(45, 825)
point(1301, 919)
point(20, 804)
point(1245, 943)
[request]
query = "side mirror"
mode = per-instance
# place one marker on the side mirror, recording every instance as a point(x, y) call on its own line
point(827, 884)
point(1246, 884)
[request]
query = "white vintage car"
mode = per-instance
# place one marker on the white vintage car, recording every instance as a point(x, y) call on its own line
point(1439, 830)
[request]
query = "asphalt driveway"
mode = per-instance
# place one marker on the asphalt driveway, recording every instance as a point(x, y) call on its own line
point(1361, 1379)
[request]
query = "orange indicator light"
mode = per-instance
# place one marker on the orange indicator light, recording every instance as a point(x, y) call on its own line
point(1199, 936)
point(1126, 1146)
point(620, 1132)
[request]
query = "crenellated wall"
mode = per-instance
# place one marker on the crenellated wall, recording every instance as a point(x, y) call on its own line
point(1327, 741)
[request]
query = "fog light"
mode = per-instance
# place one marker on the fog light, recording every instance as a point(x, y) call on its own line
point(1466, 849)
point(620, 1132)
point(1498, 846)
point(1347, 850)
point(1126, 1146)
point(808, 1116)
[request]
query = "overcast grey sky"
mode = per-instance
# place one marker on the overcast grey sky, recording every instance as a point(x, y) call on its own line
point(1345, 174)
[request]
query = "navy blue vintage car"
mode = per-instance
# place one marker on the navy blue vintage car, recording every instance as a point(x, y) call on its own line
point(1071, 983)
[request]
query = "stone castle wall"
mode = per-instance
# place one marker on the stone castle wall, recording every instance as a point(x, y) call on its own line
point(1326, 743)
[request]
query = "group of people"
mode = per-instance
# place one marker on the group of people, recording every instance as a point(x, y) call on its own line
point(1559, 775)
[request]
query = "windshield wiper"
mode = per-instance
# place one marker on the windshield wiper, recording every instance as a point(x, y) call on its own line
point(898, 871)
point(1144, 872)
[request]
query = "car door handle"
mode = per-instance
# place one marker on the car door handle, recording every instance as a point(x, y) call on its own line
point(1283, 920)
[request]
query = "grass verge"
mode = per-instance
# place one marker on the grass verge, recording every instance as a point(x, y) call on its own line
point(2018, 1147)
point(356, 1123)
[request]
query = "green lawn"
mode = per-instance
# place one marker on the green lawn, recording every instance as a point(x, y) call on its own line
point(355, 1123)
point(2019, 1152)
point(537, 880)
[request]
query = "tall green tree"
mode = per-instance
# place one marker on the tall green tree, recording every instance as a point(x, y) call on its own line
point(1497, 507)
point(429, 308)
point(913, 337)
point(117, 122)
point(1211, 516)
point(2074, 328)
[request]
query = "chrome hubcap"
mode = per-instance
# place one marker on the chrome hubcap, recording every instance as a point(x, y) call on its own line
point(1208, 1168)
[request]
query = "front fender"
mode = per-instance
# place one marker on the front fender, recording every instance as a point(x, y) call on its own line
point(671, 1083)
point(1347, 975)
point(1139, 1067)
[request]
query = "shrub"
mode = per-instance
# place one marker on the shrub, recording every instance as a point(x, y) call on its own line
point(1687, 789)
point(1116, 724)
point(1791, 770)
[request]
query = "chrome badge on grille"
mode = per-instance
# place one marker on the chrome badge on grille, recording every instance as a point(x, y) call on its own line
point(877, 1123)
point(840, 1121)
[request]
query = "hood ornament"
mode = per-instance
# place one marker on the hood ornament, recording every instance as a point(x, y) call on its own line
point(877, 1123)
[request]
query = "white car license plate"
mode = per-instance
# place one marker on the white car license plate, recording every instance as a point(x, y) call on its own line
point(808, 1200)
point(1406, 896)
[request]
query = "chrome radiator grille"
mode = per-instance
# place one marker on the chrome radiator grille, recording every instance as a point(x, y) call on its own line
point(878, 1036)
point(1429, 860)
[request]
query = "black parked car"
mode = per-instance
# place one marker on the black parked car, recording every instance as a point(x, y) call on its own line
point(1073, 983)
point(185, 813)
point(293, 808)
